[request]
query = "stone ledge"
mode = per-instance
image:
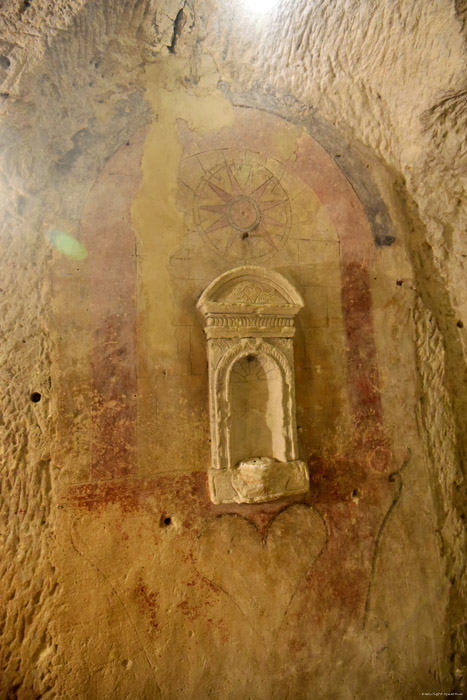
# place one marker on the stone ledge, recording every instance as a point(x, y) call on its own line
point(258, 480)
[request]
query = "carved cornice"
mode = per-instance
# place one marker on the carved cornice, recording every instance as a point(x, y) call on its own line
point(249, 324)
point(250, 301)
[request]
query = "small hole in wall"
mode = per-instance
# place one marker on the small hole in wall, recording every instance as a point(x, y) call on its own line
point(165, 521)
point(356, 493)
point(35, 397)
point(460, 324)
point(399, 283)
point(245, 235)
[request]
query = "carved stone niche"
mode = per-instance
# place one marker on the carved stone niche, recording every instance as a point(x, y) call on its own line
point(249, 324)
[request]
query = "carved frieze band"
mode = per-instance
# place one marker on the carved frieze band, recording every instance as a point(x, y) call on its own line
point(247, 320)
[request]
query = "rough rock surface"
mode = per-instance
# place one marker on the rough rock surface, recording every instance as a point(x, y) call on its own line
point(386, 82)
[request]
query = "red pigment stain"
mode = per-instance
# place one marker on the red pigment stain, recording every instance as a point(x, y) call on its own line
point(212, 586)
point(296, 646)
point(192, 612)
point(362, 372)
point(95, 497)
point(197, 578)
point(351, 497)
point(148, 602)
point(107, 232)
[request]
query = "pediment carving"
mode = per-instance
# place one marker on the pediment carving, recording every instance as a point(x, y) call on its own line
point(250, 301)
point(251, 284)
point(250, 292)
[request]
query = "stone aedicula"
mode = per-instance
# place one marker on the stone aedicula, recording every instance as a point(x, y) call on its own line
point(249, 315)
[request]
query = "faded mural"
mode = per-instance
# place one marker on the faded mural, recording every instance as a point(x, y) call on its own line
point(271, 584)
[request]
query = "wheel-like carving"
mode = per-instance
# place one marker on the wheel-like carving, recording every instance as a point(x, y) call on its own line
point(242, 209)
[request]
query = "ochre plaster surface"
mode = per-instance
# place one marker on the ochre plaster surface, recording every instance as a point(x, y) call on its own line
point(178, 570)
point(120, 578)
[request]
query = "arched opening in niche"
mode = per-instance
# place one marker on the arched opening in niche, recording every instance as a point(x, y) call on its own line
point(257, 410)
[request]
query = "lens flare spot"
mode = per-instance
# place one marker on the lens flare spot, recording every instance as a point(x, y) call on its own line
point(67, 244)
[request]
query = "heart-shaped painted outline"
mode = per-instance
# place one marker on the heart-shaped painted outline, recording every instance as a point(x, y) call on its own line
point(274, 565)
